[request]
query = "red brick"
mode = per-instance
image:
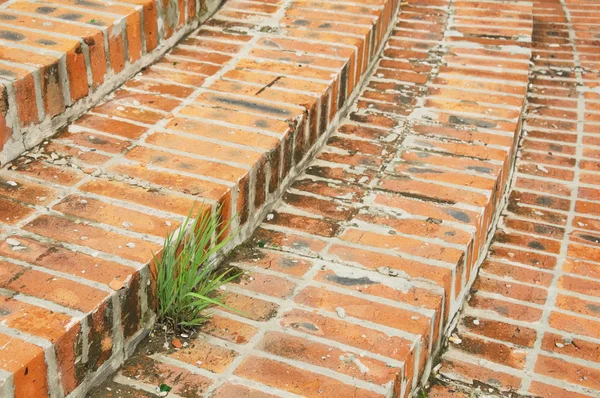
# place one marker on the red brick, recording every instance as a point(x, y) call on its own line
point(374, 260)
point(204, 148)
point(93, 237)
point(470, 371)
point(297, 348)
point(111, 126)
point(222, 133)
point(512, 290)
point(120, 217)
point(204, 355)
point(439, 391)
point(267, 284)
point(57, 258)
point(516, 273)
point(155, 199)
point(402, 244)
point(98, 142)
point(25, 95)
point(492, 351)
point(229, 329)
point(131, 113)
point(250, 307)
point(177, 182)
point(235, 390)
point(275, 261)
point(498, 330)
point(563, 370)
point(546, 390)
point(18, 358)
point(52, 91)
point(339, 216)
point(408, 294)
point(574, 347)
point(569, 323)
point(54, 174)
point(506, 309)
point(367, 310)
point(46, 286)
point(12, 213)
point(183, 382)
point(294, 379)
point(316, 226)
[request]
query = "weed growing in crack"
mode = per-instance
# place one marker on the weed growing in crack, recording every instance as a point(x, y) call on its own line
point(186, 280)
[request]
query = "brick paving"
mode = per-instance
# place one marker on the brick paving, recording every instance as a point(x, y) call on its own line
point(225, 119)
point(352, 279)
point(532, 323)
point(355, 278)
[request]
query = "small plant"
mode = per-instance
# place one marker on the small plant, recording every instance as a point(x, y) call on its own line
point(186, 281)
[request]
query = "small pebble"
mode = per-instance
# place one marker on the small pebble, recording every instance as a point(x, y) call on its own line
point(13, 242)
point(455, 339)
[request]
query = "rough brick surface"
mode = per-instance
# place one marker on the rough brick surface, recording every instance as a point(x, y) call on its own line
point(532, 323)
point(353, 277)
point(58, 58)
point(225, 120)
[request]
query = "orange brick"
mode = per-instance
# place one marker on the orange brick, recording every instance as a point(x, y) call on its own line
point(467, 370)
point(155, 199)
point(25, 93)
point(111, 126)
point(12, 213)
point(546, 390)
point(186, 164)
point(154, 373)
point(200, 147)
point(354, 335)
point(251, 307)
point(120, 217)
point(563, 370)
point(93, 237)
point(204, 355)
point(59, 290)
point(267, 284)
point(132, 113)
point(18, 357)
point(340, 361)
point(60, 259)
point(228, 329)
point(235, 390)
point(364, 309)
point(293, 379)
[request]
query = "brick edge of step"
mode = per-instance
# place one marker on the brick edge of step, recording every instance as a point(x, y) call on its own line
point(46, 95)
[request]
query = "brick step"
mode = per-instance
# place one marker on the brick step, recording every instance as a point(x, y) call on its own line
point(224, 121)
point(354, 277)
point(59, 58)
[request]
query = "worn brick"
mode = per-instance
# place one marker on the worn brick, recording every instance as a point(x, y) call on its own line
point(294, 379)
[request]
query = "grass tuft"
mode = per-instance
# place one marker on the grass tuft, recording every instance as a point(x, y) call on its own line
point(186, 282)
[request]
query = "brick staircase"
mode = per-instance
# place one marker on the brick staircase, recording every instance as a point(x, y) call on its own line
point(364, 150)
